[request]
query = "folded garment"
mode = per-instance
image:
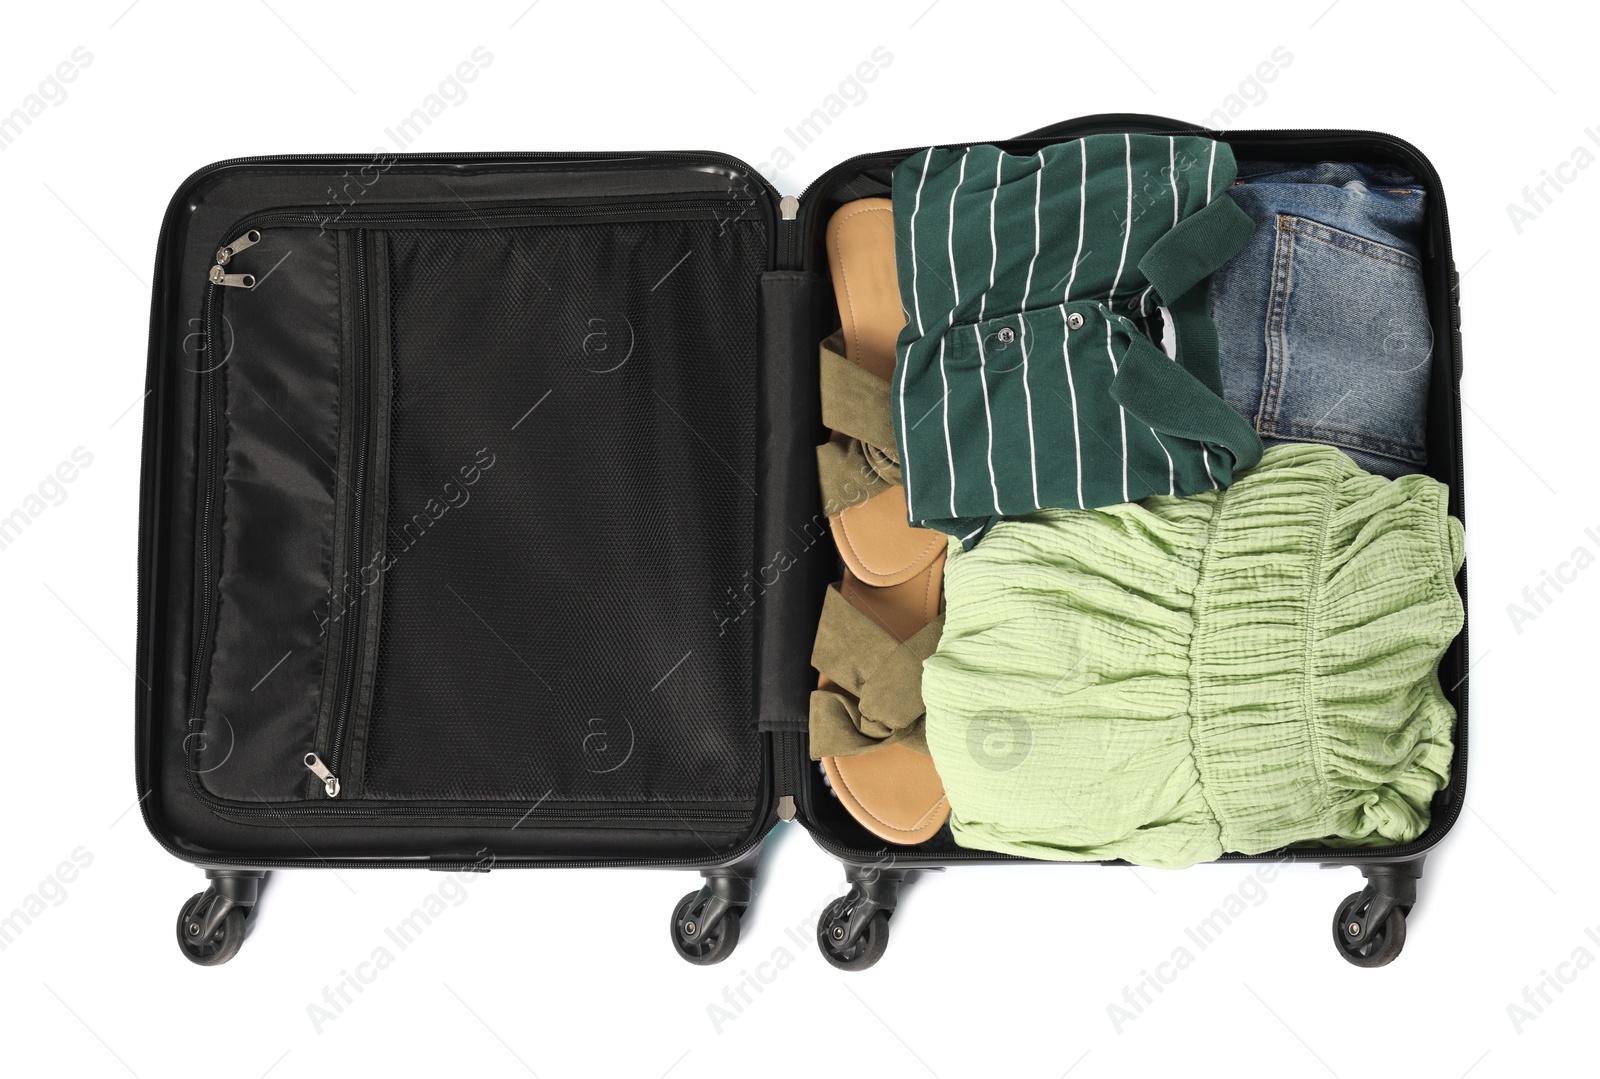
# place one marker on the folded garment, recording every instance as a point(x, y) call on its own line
point(1023, 378)
point(1323, 317)
point(1233, 671)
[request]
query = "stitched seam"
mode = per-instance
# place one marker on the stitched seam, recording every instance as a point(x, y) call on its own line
point(891, 827)
point(930, 599)
point(1357, 440)
point(1274, 328)
point(1349, 241)
point(861, 560)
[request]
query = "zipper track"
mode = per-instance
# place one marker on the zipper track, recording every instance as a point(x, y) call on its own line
point(799, 254)
point(504, 215)
point(422, 861)
point(466, 811)
point(203, 540)
point(361, 380)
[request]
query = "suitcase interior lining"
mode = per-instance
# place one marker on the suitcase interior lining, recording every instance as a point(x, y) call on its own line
point(560, 488)
point(550, 636)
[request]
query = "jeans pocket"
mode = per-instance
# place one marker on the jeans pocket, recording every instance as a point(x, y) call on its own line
point(1348, 344)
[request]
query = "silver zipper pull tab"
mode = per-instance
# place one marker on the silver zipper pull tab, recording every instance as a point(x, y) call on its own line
point(330, 782)
point(249, 239)
point(219, 276)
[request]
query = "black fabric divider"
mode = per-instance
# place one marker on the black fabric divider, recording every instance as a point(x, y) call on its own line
point(793, 549)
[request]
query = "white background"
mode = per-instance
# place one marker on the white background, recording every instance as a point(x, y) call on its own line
point(1005, 971)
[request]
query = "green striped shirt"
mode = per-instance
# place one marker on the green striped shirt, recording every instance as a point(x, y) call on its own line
point(1023, 377)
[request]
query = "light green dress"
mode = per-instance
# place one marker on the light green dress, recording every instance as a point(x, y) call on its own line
point(1236, 670)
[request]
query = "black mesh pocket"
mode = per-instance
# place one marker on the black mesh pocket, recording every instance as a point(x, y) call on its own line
point(571, 503)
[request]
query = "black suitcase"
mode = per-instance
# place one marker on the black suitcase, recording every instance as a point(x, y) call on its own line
point(554, 609)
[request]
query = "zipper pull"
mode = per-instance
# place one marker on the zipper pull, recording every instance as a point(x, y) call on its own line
point(219, 276)
point(249, 239)
point(330, 782)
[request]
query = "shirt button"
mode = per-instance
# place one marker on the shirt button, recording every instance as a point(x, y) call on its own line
point(1074, 321)
point(1006, 335)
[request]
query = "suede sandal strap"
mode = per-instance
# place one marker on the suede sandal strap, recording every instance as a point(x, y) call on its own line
point(855, 403)
point(851, 472)
point(879, 700)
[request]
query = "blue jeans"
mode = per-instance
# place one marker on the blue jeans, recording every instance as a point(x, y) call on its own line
point(1322, 318)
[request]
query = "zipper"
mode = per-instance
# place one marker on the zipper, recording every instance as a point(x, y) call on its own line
point(476, 865)
point(788, 215)
point(210, 477)
point(503, 216)
point(454, 813)
point(350, 638)
point(786, 749)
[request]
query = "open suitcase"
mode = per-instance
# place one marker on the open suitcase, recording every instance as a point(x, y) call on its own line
point(479, 526)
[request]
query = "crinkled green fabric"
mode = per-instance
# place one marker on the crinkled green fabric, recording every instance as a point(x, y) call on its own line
point(1238, 670)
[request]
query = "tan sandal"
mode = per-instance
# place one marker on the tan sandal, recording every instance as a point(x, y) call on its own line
point(870, 741)
point(866, 711)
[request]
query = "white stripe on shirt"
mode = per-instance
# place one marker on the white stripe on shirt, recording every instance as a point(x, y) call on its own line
point(1066, 359)
point(1027, 394)
point(1083, 191)
point(1122, 414)
point(1127, 223)
point(916, 206)
point(949, 453)
point(994, 486)
point(1172, 176)
point(1127, 232)
point(905, 368)
point(994, 248)
point(1172, 479)
point(1172, 171)
point(955, 286)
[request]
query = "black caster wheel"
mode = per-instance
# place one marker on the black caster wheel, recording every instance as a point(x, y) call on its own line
point(851, 952)
point(1368, 945)
point(698, 944)
point(221, 945)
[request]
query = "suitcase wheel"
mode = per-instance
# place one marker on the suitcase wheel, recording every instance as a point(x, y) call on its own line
point(211, 925)
point(705, 927)
point(853, 932)
point(209, 936)
point(851, 936)
point(1369, 928)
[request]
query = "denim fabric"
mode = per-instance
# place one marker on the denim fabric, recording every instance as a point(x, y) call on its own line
point(1322, 317)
